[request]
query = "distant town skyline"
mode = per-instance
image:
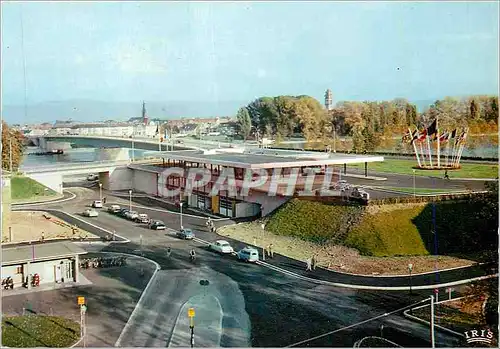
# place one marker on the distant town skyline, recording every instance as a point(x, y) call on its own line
point(218, 55)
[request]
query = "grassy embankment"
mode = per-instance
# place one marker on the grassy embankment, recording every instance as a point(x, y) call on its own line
point(468, 170)
point(392, 230)
point(421, 191)
point(39, 331)
point(25, 189)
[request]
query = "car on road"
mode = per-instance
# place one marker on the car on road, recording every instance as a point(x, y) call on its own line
point(123, 212)
point(132, 215)
point(97, 204)
point(90, 212)
point(248, 254)
point(221, 246)
point(342, 185)
point(142, 218)
point(114, 209)
point(92, 177)
point(157, 225)
point(186, 234)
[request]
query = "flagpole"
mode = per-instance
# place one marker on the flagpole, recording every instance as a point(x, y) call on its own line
point(447, 149)
point(438, 143)
point(422, 152)
point(463, 146)
point(414, 145)
point(429, 149)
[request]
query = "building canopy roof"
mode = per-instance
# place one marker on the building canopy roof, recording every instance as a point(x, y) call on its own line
point(39, 252)
point(268, 158)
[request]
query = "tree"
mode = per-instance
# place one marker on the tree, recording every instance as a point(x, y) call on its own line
point(244, 122)
point(11, 140)
point(475, 113)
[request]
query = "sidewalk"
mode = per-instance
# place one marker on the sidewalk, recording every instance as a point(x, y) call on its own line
point(207, 323)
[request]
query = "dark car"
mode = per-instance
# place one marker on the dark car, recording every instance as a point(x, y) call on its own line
point(186, 234)
point(122, 212)
point(157, 225)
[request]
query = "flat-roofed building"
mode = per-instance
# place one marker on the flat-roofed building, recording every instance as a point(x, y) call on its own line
point(50, 262)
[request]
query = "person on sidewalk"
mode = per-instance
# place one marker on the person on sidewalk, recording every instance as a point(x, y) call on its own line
point(169, 251)
point(309, 263)
point(313, 262)
point(271, 252)
point(446, 175)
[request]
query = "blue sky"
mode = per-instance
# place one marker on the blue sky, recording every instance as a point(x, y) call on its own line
point(128, 51)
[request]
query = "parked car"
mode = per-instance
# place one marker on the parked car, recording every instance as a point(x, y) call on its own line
point(97, 204)
point(221, 246)
point(90, 212)
point(123, 212)
point(92, 177)
point(142, 218)
point(114, 209)
point(342, 185)
point(248, 254)
point(186, 234)
point(157, 225)
point(132, 215)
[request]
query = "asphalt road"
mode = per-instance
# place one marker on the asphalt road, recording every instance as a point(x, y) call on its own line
point(281, 309)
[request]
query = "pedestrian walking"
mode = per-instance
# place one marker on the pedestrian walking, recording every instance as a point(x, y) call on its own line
point(271, 252)
point(309, 263)
point(446, 175)
point(313, 262)
point(43, 236)
point(169, 251)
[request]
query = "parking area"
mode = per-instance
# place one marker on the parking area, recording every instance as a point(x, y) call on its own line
point(110, 299)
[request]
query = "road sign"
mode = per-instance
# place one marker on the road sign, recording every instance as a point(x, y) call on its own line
point(436, 290)
point(83, 308)
point(81, 300)
point(191, 312)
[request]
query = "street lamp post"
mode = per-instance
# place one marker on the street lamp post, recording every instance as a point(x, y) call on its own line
point(263, 226)
point(180, 204)
point(410, 268)
point(100, 191)
point(414, 193)
point(130, 200)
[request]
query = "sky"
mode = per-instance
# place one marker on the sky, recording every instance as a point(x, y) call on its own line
point(239, 51)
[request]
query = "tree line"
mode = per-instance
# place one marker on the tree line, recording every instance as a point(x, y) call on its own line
point(12, 140)
point(367, 122)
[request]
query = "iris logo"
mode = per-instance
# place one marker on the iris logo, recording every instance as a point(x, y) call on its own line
point(483, 336)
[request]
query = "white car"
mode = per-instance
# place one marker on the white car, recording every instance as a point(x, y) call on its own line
point(92, 177)
point(97, 204)
point(248, 254)
point(221, 246)
point(90, 213)
point(142, 218)
point(132, 215)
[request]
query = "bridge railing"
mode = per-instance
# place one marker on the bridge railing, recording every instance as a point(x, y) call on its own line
point(93, 164)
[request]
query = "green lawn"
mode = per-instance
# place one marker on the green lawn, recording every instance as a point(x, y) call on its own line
point(422, 190)
point(468, 170)
point(24, 188)
point(39, 331)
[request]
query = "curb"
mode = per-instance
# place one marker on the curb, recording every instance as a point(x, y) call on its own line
point(57, 200)
point(425, 322)
point(427, 195)
point(124, 240)
point(134, 312)
point(49, 199)
point(78, 342)
point(402, 275)
point(362, 287)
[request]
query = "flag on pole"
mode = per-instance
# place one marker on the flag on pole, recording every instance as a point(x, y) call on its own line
point(432, 130)
point(445, 137)
point(453, 133)
point(421, 136)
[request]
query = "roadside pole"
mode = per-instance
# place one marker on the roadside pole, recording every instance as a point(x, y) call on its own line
point(433, 344)
point(263, 226)
point(83, 309)
point(191, 314)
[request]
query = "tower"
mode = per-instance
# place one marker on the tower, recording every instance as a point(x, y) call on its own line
point(328, 99)
point(144, 116)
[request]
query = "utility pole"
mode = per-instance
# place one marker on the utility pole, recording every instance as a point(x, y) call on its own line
point(191, 315)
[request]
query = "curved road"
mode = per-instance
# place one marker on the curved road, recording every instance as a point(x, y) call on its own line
point(260, 307)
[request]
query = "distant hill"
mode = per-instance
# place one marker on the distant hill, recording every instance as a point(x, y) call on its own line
point(91, 110)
